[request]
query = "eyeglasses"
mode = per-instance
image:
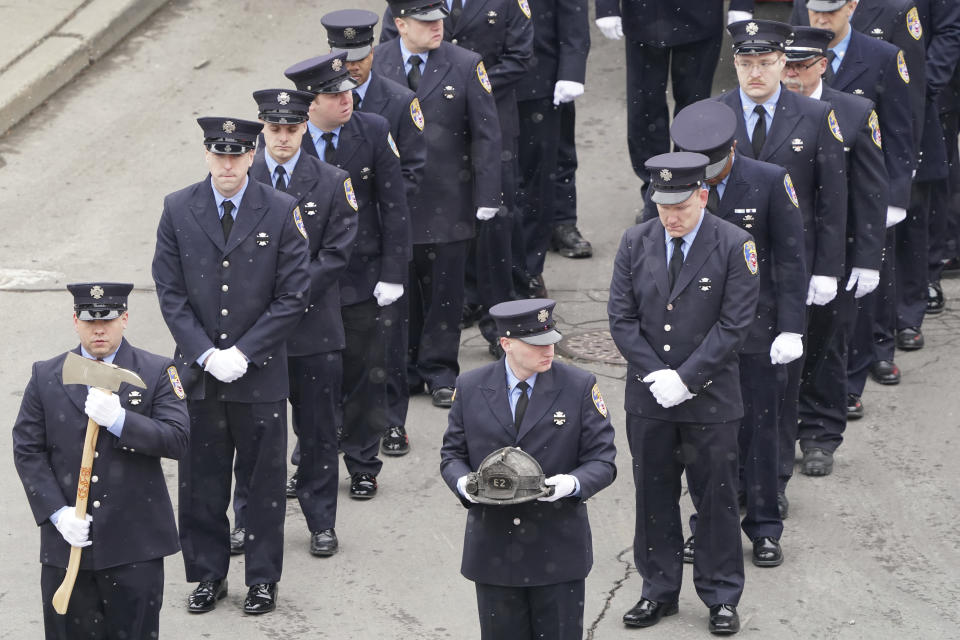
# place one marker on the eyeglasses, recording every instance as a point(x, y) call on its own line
point(765, 66)
point(798, 66)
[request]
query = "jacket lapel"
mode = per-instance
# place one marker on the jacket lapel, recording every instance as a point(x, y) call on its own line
point(374, 100)
point(655, 253)
point(787, 116)
point(76, 392)
point(702, 247)
point(543, 397)
point(736, 188)
point(470, 10)
point(350, 141)
point(300, 182)
point(732, 100)
point(204, 209)
point(252, 209)
point(437, 68)
point(259, 170)
point(307, 146)
point(851, 67)
point(864, 16)
point(389, 61)
point(495, 394)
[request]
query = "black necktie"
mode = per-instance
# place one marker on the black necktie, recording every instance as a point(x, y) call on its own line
point(281, 183)
point(356, 101)
point(413, 78)
point(521, 404)
point(329, 151)
point(676, 260)
point(455, 10)
point(713, 200)
point(226, 222)
point(759, 130)
point(828, 73)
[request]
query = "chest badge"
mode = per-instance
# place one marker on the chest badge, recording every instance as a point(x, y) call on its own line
point(263, 239)
point(858, 92)
point(877, 32)
point(492, 17)
point(797, 144)
point(310, 208)
point(365, 173)
point(134, 397)
point(705, 284)
point(559, 418)
point(449, 92)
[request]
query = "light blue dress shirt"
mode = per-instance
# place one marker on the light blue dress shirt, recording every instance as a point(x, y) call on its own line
point(362, 89)
point(316, 134)
point(841, 50)
point(770, 107)
point(288, 166)
point(722, 185)
point(235, 198)
point(687, 240)
point(405, 54)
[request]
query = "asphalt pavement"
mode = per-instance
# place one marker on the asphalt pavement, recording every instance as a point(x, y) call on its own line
point(872, 551)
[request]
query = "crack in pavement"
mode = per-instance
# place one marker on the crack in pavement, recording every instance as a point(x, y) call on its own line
point(616, 587)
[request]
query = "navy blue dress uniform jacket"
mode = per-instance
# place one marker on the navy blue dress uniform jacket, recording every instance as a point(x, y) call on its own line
point(248, 292)
point(463, 141)
point(382, 246)
point(668, 23)
point(534, 543)
point(323, 193)
point(756, 200)
point(561, 42)
point(866, 175)
point(696, 329)
point(399, 105)
point(501, 31)
point(132, 514)
point(816, 168)
point(870, 68)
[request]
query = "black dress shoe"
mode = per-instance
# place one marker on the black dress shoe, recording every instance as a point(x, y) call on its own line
point(647, 613)
point(442, 397)
point(951, 266)
point(471, 314)
point(688, 551)
point(396, 442)
point(767, 552)
point(783, 505)
point(568, 242)
point(324, 543)
point(532, 287)
point(885, 372)
point(816, 462)
point(292, 485)
point(854, 407)
point(237, 536)
point(909, 339)
point(204, 597)
point(363, 486)
point(261, 598)
point(935, 301)
point(724, 620)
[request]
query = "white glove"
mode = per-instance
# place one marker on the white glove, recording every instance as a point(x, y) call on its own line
point(895, 215)
point(102, 407)
point(667, 388)
point(387, 293)
point(566, 91)
point(866, 280)
point(225, 366)
point(74, 530)
point(564, 485)
point(611, 27)
point(486, 213)
point(738, 16)
point(786, 347)
point(822, 290)
point(462, 489)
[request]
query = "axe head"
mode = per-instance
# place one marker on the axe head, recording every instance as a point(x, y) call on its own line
point(80, 370)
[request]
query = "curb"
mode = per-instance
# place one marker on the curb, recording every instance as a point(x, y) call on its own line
point(59, 56)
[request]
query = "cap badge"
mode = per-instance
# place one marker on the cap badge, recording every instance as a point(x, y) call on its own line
point(666, 175)
point(337, 64)
point(96, 292)
point(543, 315)
point(752, 28)
point(797, 144)
point(283, 98)
point(134, 397)
point(263, 239)
point(788, 41)
point(229, 127)
point(349, 33)
point(559, 418)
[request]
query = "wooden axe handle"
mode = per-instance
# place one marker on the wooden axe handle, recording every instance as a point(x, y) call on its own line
point(62, 597)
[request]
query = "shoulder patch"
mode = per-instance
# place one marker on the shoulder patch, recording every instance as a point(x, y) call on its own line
point(598, 401)
point(483, 78)
point(902, 67)
point(351, 196)
point(788, 187)
point(834, 126)
point(874, 123)
point(175, 382)
point(298, 220)
point(913, 24)
point(525, 7)
point(416, 114)
point(750, 256)
point(393, 145)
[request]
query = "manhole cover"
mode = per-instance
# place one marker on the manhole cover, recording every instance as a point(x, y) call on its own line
point(595, 346)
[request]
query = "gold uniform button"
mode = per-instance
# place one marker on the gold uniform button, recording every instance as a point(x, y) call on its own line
point(225, 288)
point(666, 347)
point(667, 327)
point(224, 312)
point(226, 263)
